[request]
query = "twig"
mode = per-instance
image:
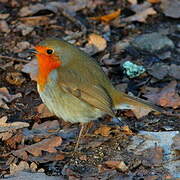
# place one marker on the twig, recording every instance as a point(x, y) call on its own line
point(14, 59)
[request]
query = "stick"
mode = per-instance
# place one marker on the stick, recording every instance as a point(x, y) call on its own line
point(14, 59)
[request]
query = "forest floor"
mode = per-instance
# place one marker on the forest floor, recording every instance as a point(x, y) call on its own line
point(35, 144)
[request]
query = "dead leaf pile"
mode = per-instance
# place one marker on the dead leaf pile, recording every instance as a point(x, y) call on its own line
point(166, 97)
point(4, 126)
point(47, 145)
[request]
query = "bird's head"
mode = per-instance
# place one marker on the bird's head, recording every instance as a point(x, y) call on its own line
point(51, 54)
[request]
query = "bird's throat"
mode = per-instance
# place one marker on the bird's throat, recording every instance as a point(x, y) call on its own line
point(46, 64)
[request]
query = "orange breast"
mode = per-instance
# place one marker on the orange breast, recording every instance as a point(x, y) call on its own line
point(46, 63)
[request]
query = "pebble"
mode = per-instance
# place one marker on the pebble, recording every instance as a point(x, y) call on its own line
point(152, 42)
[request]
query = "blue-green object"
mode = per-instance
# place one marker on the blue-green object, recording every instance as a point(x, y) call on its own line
point(132, 70)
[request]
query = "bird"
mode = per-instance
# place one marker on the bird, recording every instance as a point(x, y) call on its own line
point(75, 88)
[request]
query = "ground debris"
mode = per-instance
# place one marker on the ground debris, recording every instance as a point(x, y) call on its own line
point(36, 149)
point(166, 97)
point(5, 96)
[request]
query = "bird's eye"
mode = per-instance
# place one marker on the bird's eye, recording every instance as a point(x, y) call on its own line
point(49, 51)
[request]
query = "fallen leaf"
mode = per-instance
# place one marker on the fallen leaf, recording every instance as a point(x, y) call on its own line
point(4, 15)
point(107, 18)
point(171, 8)
point(31, 68)
point(141, 16)
point(48, 157)
point(55, 6)
point(46, 125)
point(15, 78)
point(132, 1)
point(103, 130)
point(4, 27)
point(14, 168)
point(154, 1)
point(5, 96)
point(142, 12)
point(119, 165)
point(21, 175)
point(166, 97)
point(36, 149)
point(21, 46)
point(41, 131)
point(44, 111)
point(33, 167)
point(12, 142)
point(10, 126)
point(127, 131)
point(24, 29)
point(34, 9)
point(96, 43)
point(140, 111)
point(6, 135)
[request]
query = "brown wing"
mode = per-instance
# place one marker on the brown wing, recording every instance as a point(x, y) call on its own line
point(93, 94)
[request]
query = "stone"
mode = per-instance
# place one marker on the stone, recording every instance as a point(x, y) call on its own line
point(152, 42)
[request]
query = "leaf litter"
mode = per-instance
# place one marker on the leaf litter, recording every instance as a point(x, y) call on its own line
point(6, 97)
point(41, 142)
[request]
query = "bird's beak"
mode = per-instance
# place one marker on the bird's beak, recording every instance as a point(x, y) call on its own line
point(33, 51)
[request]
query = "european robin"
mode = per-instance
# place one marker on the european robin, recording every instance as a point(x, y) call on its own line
point(74, 87)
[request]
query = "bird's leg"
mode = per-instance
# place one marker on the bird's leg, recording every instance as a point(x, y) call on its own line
point(79, 137)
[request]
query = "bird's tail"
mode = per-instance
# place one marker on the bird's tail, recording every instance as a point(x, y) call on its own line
point(139, 106)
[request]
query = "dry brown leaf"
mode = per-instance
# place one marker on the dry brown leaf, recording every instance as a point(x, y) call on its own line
point(6, 135)
point(14, 168)
point(36, 149)
point(33, 9)
point(10, 126)
point(4, 27)
point(15, 78)
point(140, 16)
point(32, 69)
point(17, 138)
point(5, 96)
point(4, 15)
point(154, 1)
point(140, 111)
point(97, 41)
point(127, 131)
point(44, 111)
point(167, 97)
point(103, 130)
point(107, 18)
point(120, 165)
point(142, 12)
point(132, 1)
point(48, 157)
